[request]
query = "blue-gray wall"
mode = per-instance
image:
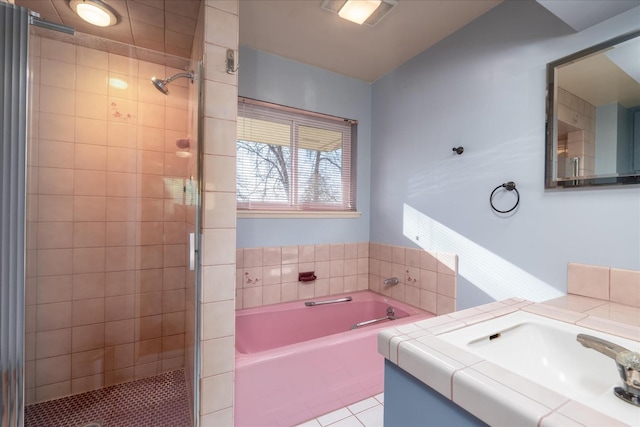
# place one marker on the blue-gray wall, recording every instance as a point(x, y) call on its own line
point(275, 79)
point(483, 88)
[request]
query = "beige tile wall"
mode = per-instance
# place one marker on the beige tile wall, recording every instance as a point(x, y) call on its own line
point(270, 275)
point(606, 283)
point(106, 258)
point(219, 216)
point(428, 280)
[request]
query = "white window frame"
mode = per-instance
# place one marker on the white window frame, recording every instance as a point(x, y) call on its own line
point(347, 209)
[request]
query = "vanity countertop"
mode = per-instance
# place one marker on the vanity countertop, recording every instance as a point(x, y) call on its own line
point(482, 387)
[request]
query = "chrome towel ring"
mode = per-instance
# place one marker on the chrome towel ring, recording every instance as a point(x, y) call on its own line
point(509, 186)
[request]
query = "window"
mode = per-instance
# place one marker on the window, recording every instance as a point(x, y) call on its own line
point(290, 159)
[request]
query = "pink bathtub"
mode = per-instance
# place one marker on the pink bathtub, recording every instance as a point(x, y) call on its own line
point(295, 363)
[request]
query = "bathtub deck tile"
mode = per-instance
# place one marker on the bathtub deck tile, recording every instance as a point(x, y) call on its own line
point(380, 397)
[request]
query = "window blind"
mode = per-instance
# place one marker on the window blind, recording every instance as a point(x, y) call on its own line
point(290, 159)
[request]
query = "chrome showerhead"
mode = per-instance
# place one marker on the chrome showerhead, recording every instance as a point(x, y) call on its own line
point(161, 85)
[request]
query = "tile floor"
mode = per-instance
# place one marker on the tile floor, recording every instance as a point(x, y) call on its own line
point(165, 403)
point(366, 413)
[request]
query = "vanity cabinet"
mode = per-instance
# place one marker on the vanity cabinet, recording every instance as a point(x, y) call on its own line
point(409, 402)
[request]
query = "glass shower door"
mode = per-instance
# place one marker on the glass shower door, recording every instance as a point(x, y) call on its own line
point(113, 197)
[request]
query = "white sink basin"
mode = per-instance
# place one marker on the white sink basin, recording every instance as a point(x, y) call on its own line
point(545, 351)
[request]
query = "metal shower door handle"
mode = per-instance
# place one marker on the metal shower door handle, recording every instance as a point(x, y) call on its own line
point(192, 251)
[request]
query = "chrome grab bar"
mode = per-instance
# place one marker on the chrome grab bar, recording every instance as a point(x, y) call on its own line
point(333, 301)
point(369, 322)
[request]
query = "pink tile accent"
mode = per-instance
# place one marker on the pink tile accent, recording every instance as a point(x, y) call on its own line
point(398, 255)
point(588, 280)
point(611, 327)
point(556, 420)
point(447, 285)
point(291, 254)
point(89, 208)
point(428, 301)
point(253, 257)
point(411, 356)
point(53, 316)
point(479, 394)
point(445, 304)
point(350, 250)
point(428, 261)
point(617, 312)
point(337, 251)
point(53, 370)
point(52, 343)
point(272, 256)
point(575, 303)
point(322, 252)
point(586, 416)
point(88, 337)
point(428, 280)
point(554, 313)
point(519, 384)
point(54, 289)
point(625, 287)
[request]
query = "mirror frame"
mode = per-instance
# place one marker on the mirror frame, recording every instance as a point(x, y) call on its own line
point(551, 123)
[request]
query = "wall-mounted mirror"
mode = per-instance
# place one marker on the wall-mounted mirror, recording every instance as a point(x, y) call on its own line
point(593, 116)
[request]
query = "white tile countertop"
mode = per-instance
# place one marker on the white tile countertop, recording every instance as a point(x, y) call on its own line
point(480, 386)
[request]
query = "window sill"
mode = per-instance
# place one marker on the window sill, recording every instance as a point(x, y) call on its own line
point(295, 214)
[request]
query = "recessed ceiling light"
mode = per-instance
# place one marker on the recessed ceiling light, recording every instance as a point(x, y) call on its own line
point(358, 10)
point(95, 12)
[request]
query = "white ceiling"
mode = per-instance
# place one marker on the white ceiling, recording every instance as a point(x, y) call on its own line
point(295, 29)
point(301, 31)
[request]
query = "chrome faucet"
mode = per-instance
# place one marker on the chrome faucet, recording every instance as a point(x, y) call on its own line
point(391, 313)
point(627, 362)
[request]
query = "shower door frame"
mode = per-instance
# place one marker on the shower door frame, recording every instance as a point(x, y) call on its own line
point(14, 42)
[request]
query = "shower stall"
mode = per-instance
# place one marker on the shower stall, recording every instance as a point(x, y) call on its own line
point(100, 327)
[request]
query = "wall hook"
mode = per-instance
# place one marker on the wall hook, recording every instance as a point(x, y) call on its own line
point(458, 150)
point(231, 62)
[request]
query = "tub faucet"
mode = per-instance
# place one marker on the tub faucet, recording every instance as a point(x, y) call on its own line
point(391, 313)
point(391, 281)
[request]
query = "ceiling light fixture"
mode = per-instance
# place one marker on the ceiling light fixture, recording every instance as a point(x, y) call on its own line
point(358, 10)
point(95, 12)
point(337, 6)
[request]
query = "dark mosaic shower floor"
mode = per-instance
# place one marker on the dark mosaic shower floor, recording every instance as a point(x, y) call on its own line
point(159, 401)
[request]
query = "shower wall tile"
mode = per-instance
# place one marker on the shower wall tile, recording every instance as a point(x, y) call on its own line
point(107, 268)
point(90, 131)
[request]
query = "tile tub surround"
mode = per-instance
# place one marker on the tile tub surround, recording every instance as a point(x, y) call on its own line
point(105, 288)
point(269, 275)
point(457, 374)
point(427, 279)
